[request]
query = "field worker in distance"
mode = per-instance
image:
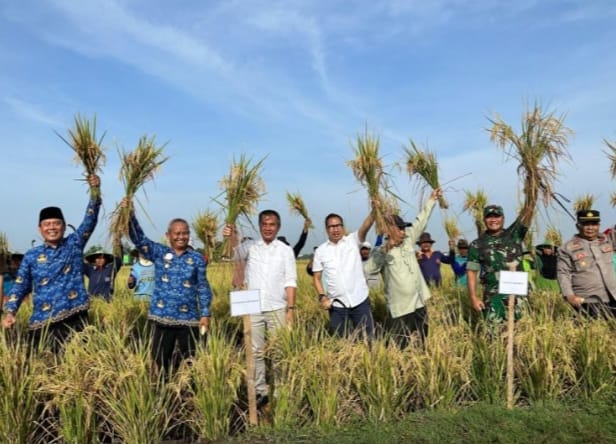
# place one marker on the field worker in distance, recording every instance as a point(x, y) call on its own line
point(142, 278)
point(101, 269)
point(430, 261)
point(585, 270)
point(180, 304)
point(267, 265)
point(459, 262)
point(406, 291)
point(373, 278)
point(545, 276)
point(497, 249)
point(53, 272)
point(339, 262)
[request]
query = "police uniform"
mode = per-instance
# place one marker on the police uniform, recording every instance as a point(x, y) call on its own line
point(585, 267)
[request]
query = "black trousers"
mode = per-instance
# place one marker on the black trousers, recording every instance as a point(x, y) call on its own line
point(56, 334)
point(403, 327)
point(172, 344)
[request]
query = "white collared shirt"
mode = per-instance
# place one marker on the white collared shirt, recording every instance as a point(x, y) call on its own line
point(342, 270)
point(270, 268)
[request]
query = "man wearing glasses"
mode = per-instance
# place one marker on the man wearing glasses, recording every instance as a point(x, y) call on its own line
point(585, 270)
point(339, 262)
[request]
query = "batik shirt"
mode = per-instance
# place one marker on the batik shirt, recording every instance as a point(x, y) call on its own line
point(491, 254)
point(182, 294)
point(56, 276)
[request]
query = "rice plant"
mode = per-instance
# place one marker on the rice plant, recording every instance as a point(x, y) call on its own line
point(138, 167)
point(211, 385)
point(540, 145)
point(369, 170)
point(205, 225)
point(297, 206)
point(584, 202)
point(87, 147)
point(423, 164)
point(474, 203)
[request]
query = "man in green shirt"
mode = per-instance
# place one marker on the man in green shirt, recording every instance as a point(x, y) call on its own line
point(497, 249)
point(406, 291)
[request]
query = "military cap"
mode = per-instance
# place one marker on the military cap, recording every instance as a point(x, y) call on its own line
point(493, 210)
point(588, 216)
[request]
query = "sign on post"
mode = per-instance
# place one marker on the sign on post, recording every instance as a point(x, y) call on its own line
point(245, 302)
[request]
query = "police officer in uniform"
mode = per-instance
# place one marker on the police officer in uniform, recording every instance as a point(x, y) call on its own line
point(585, 269)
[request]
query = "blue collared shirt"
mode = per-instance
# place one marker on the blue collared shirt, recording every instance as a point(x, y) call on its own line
point(56, 276)
point(182, 293)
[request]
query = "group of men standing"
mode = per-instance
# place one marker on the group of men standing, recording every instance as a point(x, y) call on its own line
point(179, 310)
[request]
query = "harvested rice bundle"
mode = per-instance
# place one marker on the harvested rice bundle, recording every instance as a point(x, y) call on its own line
point(423, 164)
point(474, 204)
point(451, 228)
point(584, 202)
point(553, 236)
point(88, 149)
point(541, 143)
point(138, 167)
point(242, 188)
point(297, 206)
point(368, 169)
point(205, 225)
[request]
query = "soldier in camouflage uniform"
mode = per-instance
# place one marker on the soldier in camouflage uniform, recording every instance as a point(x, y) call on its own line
point(585, 268)
point(497, 249)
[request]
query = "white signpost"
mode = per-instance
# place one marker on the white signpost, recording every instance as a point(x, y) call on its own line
point(513, 283)
point(244, 303)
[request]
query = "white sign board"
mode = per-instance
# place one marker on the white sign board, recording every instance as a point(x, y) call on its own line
point(245, 302)
point(513, 282)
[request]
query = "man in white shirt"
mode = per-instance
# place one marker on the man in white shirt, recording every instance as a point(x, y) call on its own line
point(267, 265)
point(339, 262)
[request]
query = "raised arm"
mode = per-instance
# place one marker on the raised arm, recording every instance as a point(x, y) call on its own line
point(365, 227)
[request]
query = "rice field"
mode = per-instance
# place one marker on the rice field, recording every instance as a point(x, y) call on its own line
point(106, 389)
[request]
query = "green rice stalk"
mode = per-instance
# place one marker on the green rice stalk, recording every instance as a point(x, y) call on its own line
point(542, 142)
point(423, 165)
point(212, 383)
point(368, 169)
point(451, 228)
point(584, 202)
point(206, 226)
point(20, 379)
point(243, 188)
point(88, 149)
point(297, 206)
point(138, 167)
point(474, 203)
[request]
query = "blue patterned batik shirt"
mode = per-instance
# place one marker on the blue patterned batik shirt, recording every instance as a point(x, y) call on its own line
point(55, 275)
point(182, 293)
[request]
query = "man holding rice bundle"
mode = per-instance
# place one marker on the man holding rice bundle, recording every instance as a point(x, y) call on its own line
point(406, 291)
point(53, 271)
point(267, 265)
point(180, 304)
point(497, 249)
point(339, 262)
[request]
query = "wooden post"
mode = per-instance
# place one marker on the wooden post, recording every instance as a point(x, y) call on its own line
point(250, 372)
point(510, 338)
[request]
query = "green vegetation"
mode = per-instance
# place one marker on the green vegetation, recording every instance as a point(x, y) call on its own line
point(106, 388)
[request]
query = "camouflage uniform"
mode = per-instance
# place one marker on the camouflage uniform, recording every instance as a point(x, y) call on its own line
point(491, 254)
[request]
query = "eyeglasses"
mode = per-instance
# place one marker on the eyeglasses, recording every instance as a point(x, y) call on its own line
point(329, 227)
point(589, 223)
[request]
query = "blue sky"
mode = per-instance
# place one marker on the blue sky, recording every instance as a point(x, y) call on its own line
point(297, 81)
